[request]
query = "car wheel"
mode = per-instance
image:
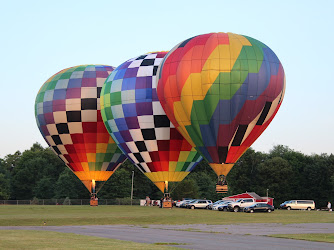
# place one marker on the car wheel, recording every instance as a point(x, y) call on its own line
point(236, 209)
point(192, 207)
point(225, 209)
point(251, 211)
point(308, 209)
point(288, 208)
point(269, 210)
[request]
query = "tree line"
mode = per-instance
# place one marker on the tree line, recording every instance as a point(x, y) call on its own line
point(284, 173)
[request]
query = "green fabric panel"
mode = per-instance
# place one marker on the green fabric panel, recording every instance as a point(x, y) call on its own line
point(80, 68)
point(40, 97)
point(199, 109)
point(100, 157)
point(108, 113)
point(179, 166)
point(108, 157)
point(191, 129)
point(191, 156)
point(113, 148)
point(115, 98)
point(107, 127)
point(56, 77)
point(51, 85)
point(106, 88)
point(91, 166)
point(66, 75)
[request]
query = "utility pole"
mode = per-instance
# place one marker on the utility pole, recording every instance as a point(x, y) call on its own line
point(133, 175)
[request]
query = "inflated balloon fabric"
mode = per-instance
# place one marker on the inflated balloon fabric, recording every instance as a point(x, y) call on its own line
point(221, 91)
point(68, 115)
point(133, 115)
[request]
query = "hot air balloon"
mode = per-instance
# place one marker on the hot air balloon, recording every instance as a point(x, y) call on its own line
point(221, 91)
point(135, 119)
point(68, 115)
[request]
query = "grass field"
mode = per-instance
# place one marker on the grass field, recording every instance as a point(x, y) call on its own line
point(23, 239)
point(310, 237)
point(136, 215)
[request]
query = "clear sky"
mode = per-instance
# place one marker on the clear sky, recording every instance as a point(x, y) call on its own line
point(40, 38)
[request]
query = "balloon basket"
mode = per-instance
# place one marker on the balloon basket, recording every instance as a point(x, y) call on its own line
point(94, 203)
point(167, 204)
point(221, 189)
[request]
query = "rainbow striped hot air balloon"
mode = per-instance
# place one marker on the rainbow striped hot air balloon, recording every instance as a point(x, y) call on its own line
point(221, 91)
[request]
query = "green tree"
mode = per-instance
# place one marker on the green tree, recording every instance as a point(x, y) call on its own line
point(244, 175)
point(275, 174)
point(32, 166)
point(44, 188)
point(186, 189)
point(4, 187)
point(68, 185)
point(206, 185)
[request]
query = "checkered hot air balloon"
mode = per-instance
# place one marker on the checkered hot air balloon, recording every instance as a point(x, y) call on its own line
point(67, 110)
point(221, 91)
point(135, 119)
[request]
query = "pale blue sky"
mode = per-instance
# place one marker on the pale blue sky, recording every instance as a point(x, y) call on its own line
point(40, 38)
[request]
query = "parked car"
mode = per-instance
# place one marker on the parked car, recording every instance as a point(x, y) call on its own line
point(186, 202)
point(259, 207)
point(298, 204)
point(240, 204)
point(223, 206)
point(211, 206)
point(178, 204)
point(199, 204)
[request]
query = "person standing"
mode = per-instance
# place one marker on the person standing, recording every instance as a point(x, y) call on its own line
point(148, 201)
point(329, 206)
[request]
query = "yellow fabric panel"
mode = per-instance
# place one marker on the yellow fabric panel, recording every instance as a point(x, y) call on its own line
point(102, 102)
point(180, 113)
point(166, 176)
point(183, 156)
point(101, 147)
point(172, 166)
point(160, 176)
point(93, 175)
point(221, 169)
point(91, 157)
point(85, 166)
point(149, 175)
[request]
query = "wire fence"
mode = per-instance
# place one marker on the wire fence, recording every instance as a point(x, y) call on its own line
point(67, 201)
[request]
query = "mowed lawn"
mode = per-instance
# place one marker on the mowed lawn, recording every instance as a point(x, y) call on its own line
point(23, 239)
point(12, 215)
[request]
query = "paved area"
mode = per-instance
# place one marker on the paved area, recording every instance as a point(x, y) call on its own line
point(239, 236)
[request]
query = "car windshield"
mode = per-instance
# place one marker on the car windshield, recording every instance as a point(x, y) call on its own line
point(239, 200)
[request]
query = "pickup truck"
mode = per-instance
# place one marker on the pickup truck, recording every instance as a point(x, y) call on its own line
point(242, 203)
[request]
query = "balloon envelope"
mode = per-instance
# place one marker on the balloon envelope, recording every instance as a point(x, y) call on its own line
point(67, 110)
point(221, 91)
point(135, 119)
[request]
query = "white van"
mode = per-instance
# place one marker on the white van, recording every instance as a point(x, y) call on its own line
point(298, 204)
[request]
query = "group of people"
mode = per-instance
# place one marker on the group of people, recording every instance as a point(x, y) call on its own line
point(148, 201)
